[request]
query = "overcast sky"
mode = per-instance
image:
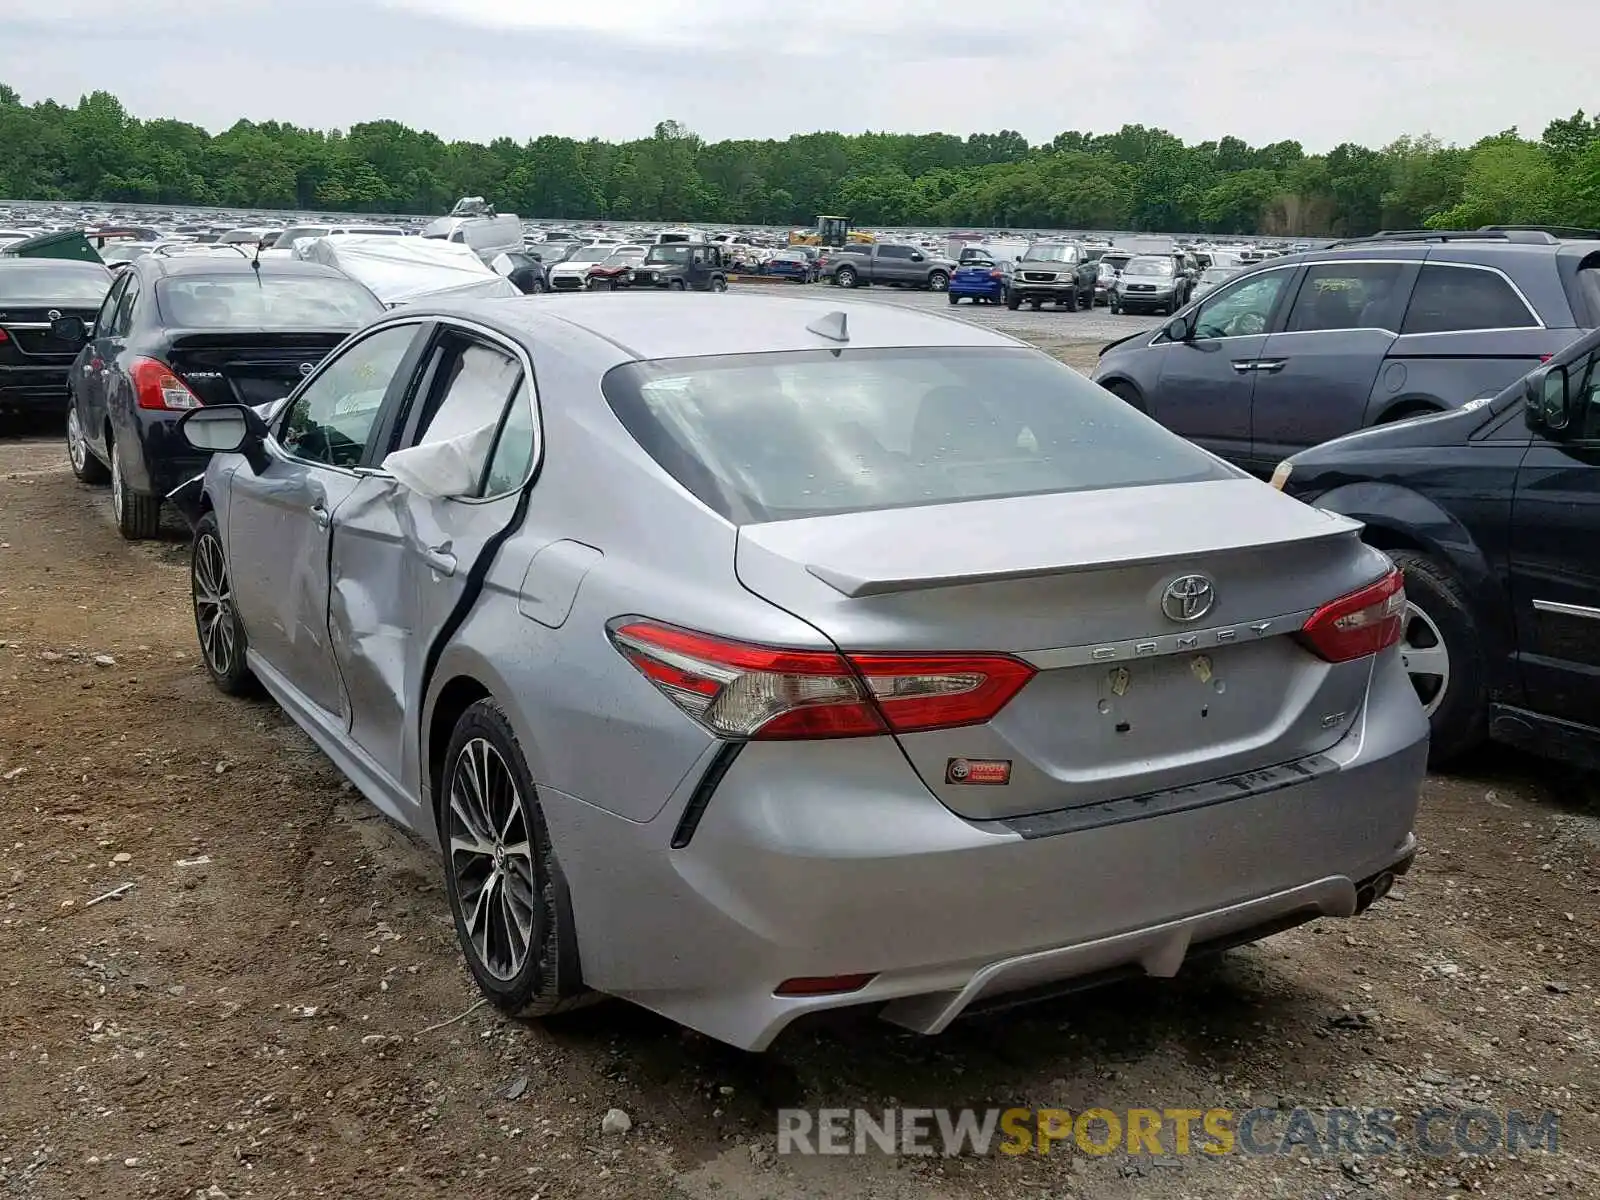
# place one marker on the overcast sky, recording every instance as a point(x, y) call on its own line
point(1318, 71)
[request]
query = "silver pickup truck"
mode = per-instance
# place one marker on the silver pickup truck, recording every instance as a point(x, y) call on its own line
point(1058, 271)
point(887, 262)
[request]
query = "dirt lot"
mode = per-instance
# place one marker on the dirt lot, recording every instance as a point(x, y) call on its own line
point(262, 1009)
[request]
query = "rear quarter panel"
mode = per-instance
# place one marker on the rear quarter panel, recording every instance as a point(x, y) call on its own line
point(1445, 370)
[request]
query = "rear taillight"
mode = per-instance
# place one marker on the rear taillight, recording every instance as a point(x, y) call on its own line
point(155, 386)
point(742, 691)
point(4, 337)
point(1359, 624)
point(997, 274)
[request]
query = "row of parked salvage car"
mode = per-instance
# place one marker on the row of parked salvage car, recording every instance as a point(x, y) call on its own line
point(875, 614)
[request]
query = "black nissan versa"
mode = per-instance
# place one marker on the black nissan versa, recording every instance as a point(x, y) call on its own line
point(1493, 513)
point(176, 333)
point(33, 292)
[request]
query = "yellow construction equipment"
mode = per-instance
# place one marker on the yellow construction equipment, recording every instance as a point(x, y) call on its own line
point(832, 232)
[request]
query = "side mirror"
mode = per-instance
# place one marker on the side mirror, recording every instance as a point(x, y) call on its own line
point(917, 258)
point(1178, 329)
point(223, 429)
point(1546, 394)
point(69, 329)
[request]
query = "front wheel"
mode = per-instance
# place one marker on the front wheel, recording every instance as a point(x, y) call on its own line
point(938, 281)
point(1013, 301)
point(222, 638)
point(138, 516)
point(677, 285)
point(1442, 652)
point(1116, 308)
point(85, 466)
point(512, 913)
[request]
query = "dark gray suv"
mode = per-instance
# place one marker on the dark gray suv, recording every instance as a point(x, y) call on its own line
point(1301, 349)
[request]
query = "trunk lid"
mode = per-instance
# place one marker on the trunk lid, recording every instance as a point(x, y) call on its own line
point(230, 367)
point(1128, 700)
point(28, 341)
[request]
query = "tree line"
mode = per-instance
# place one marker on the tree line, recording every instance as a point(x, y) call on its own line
point(1137, 178)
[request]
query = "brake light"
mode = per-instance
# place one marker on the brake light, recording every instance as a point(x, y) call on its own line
point(4, 336)
point(155, 386)
point(1359, 624)
point(737, 690)
point(997, 274)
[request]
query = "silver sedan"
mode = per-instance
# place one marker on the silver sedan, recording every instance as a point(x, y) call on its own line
point(746, 656)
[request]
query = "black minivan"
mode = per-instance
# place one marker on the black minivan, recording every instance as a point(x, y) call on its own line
point(1493, 513)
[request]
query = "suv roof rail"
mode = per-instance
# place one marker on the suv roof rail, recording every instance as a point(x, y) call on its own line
point(1561, 232)
point(183, 249)
point(1524, 237)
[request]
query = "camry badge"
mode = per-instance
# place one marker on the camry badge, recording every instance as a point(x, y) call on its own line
point(1188, 598)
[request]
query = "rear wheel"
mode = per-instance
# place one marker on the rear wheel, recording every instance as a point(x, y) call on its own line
point(718, 284)
point(216, 621)
point(953, 298)
point(85, 465)
point(138, 515)
point(845, 277)
point(512, 913)
point(1443, 657)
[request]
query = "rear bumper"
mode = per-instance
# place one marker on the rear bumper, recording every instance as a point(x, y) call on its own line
point(810, 864)
point(34, 389)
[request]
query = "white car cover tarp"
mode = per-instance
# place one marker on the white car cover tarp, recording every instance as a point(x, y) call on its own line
point(399, 270)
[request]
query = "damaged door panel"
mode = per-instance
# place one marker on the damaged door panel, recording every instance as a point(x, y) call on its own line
point(406, 558)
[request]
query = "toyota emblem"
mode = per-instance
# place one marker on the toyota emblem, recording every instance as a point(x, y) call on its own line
point(1188, 598)
point(53, 315)
point(307, 368)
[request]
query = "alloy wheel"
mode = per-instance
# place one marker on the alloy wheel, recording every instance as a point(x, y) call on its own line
point(491, 856)
point(119, 495)
point(213, 605)
point(76, 450)
point(1425, 657)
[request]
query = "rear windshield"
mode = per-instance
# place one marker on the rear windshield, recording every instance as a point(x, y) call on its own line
point(768, 437)
point(60, 285)
point(293, 302)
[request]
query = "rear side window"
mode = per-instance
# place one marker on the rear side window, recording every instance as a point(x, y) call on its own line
point(767, 437)
point(1451, 298)
point(1351, 295)
point(895, 252)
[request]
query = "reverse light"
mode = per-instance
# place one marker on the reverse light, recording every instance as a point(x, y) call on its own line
point(155, 386)
point(1359, 624)
point(737, 690)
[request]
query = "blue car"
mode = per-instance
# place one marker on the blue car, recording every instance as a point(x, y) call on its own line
point(789, 265)
point(978, 279)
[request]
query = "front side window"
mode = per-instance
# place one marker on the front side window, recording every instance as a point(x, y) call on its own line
point(331, 421)
point(105, 319)
point(1242, 308)
point(767, 437)
point(1353, 295)
point(1450, 299)
point(1583, 397)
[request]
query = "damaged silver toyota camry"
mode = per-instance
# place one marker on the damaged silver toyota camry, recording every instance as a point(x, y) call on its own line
point(749, 656)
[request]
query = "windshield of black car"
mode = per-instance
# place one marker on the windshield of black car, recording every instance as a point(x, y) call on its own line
point(50, 284)
point(1060, 254)
point(1218, 274)
point(765, 437)
point(677, 252)
point(1148, 266)
point(286, 301)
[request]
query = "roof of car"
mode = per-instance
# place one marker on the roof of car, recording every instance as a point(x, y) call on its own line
point(51, 264)
point(230, 264)
point(678, 325)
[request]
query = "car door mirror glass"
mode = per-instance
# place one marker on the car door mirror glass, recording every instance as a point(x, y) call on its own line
point(1177, 329)
point(69, 329)
point(449, 467)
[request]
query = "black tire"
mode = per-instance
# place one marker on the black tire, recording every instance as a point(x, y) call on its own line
point(1127, 394)
point(953, 298)
point(718, 284)
point(676, 285)
point(548, 980)
point(1116, 307)
point(845, 277)
point(86, 468)
point(216, 622)
point(938, 280)
point(1460, 722)
point(138, 515)
point(1073, 304)
point(1037, 303)
point(1013, 301)
point(1172, 306)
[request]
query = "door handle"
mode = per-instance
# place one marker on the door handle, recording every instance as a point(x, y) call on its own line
point(1243, 366)
point(321, 515)
point(1270, 365)
point(440, 560)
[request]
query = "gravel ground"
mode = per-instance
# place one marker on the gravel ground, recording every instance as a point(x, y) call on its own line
point(272, 1005)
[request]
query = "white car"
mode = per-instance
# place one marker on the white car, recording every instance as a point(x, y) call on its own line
point(572, 274)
